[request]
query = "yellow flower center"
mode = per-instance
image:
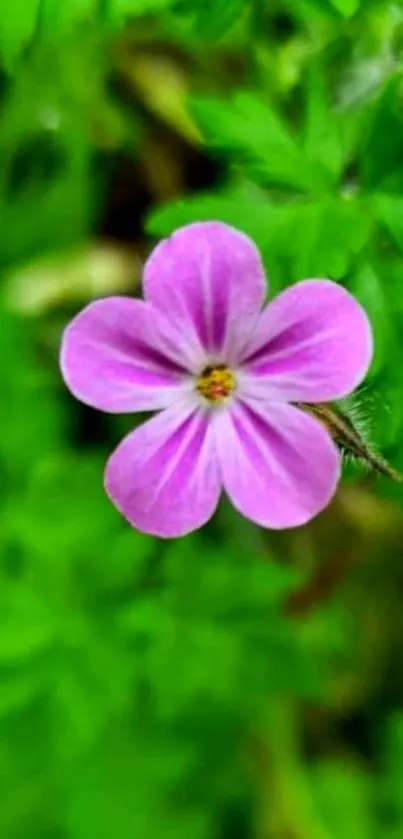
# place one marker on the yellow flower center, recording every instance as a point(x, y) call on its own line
point(216, 383)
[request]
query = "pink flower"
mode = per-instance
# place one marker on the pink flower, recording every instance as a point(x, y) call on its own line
point(223, 375)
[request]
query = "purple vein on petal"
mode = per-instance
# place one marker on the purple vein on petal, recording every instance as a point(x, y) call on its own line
point(314, 331)
point(181, 450)
point(252, 431)
point(299, 336)
point(123, 344)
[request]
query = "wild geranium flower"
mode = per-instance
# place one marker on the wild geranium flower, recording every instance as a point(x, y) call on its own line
point(225, 376)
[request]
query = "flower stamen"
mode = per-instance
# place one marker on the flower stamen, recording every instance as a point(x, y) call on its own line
point(216, 383)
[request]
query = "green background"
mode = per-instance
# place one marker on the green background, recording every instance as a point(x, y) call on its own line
point(234, 684)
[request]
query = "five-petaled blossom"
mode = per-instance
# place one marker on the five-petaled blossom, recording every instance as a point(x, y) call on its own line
point(226, 378)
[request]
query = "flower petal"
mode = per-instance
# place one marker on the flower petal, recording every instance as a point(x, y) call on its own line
point(279, 465)
point(164, 476)
point(119, 355)
point(313, 343)
point(208, 278)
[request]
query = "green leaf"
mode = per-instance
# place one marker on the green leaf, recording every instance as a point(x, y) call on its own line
point(368, 289)
point(381, 148)
point(23, 444)
point(343, 795)
point(45, 152)
point(388, 209)
point(322, 141)
point(130, 786)
point(347, 8)
point(297, 239)
point(19, 691)
point(254, 136)
point(321, 238)
point(121, 9)
point(219, 635)
point(215, 17)
point(245, 208)
point(58, 18)
point(27, 626)
point(17, 25)
point(383, 393)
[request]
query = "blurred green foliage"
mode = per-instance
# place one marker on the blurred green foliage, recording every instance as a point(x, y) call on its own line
point(234, 683)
